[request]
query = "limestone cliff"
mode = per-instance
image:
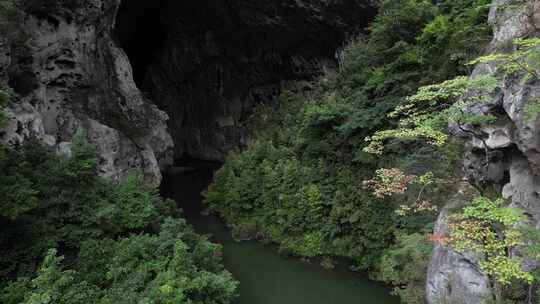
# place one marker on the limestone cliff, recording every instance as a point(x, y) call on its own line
point(81, 64)
point(506, 158)
point(69, 73)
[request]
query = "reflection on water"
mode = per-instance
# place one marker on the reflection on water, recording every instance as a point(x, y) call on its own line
point(265, 276)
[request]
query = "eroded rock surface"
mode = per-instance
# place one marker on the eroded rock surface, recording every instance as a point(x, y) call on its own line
point(455, 277)
point(206, 64)
point(69, 73)
point(506, 157)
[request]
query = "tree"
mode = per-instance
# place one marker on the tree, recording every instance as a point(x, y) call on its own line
point(405, 264)
point(123, 243)
point(524, 63)
point(56, 285)
point(488, 228)
point(427, 114)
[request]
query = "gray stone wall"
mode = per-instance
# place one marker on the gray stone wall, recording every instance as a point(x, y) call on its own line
point(507, 159)
point(68, 74)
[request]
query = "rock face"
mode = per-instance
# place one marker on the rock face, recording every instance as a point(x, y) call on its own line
point(455, 278)
point(205, 63)
point(208, 62)
point(506, 159)
point(69, 73)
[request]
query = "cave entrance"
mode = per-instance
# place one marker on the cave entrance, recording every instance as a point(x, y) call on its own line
point(140, 33)
point(207, 63)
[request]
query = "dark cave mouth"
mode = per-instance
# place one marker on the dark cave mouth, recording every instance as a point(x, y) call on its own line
point(142, 28)
point(140, 40)
point(207, 63)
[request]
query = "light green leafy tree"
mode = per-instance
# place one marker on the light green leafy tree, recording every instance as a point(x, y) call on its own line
point(174, 266)
point(524, 63)
point(56, 285)
point(489, 228)
point(427, 114)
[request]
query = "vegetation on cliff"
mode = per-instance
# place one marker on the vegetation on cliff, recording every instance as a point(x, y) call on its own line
point(306, 182)
point(355, 165)
point(487, 227)
point(69, 236)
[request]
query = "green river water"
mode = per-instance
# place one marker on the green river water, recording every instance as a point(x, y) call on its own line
point(265, 276)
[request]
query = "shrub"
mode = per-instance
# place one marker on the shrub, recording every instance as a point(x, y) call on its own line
point(405, 265)
point(120, 241)
point(305, 167)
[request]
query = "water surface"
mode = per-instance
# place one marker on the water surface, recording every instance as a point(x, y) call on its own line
point(265, 276)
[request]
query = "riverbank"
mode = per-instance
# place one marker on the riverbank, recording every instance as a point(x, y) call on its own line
point(265, 276)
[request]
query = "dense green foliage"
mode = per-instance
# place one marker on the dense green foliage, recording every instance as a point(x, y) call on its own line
point(69, 236)
point(309, 182)
point(307, 210)
point(300, 183)
point(488, 228)
point(403, 265)
point(175, 266)
point(412, 43)
point(427, 114)
point(502, 237)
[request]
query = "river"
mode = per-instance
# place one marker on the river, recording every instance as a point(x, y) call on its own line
point(265, 276)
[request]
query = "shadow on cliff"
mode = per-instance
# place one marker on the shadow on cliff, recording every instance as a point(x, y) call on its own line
point(207, 63)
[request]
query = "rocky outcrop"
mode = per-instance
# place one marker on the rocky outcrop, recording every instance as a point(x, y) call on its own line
point(453, 277)
point(506, 157)
point(68, 74)
point(205, 63)
point(216, 59)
